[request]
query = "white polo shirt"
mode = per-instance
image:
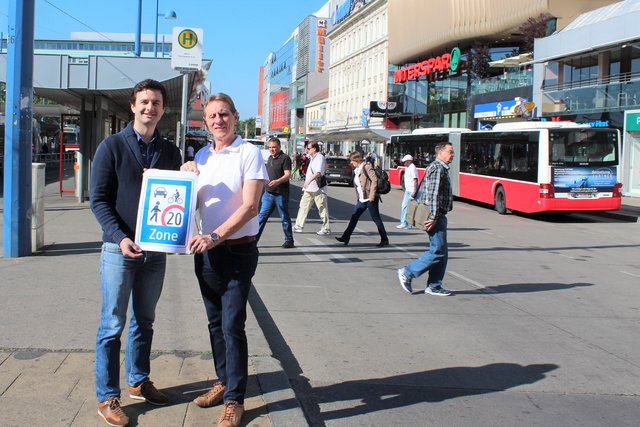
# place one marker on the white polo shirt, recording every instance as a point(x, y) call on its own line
point(317, 164)
point(220, 182)
point(410, 174)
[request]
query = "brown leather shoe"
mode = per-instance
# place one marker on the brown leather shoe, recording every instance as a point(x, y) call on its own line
point(212, 397)
point(231, 414)
point(111, 411)
point(147, 392)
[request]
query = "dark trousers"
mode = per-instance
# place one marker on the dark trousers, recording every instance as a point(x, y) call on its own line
point(224, 274)
point(358, 210)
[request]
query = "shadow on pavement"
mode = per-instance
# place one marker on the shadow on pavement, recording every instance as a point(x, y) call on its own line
point(517, 288)
point(382, 394)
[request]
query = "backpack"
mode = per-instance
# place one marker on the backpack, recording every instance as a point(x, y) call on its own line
point(384, 186)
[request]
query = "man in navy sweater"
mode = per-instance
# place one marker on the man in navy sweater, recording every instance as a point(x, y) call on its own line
point(128, 272)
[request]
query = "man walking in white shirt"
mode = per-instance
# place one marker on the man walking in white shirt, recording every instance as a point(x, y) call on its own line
point(410, 189)
point(313, 192)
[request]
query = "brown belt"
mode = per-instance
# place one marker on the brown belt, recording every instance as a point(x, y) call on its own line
point(239, 241)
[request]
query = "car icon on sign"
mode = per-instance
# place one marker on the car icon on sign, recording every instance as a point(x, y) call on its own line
point(160, 191)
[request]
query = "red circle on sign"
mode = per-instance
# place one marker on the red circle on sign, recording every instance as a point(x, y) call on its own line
point(167, 209)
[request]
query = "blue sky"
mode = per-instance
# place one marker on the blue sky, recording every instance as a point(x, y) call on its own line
point(238, 34)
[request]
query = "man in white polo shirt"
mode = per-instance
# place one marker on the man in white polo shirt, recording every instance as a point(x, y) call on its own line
point(410, 189)
point(231, 177)
point(313, 192)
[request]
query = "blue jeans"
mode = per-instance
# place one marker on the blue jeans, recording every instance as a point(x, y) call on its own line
point(358, 210)
point(405, 203)
point(224, 274)
point(435, 259)
point(269, 202)
point(141, 280)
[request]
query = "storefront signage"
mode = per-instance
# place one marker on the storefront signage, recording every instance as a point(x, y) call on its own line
point(343, 11)
point(632, 123)
point(497, 109)
point(278, 69)
point(384, 109)
point(436, 68)
point(365, 117)
point(593, 123)
point(321, 32)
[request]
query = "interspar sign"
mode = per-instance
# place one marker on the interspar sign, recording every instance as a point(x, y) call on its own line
point(432, 68)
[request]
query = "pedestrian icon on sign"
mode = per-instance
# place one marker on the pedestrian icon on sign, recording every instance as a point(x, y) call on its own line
point(155, 211)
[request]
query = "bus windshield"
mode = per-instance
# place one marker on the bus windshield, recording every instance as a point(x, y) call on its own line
point(591, 147)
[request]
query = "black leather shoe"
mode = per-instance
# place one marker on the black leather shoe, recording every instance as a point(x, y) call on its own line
point(342, 240)
point(288, 244)
point(383, 243)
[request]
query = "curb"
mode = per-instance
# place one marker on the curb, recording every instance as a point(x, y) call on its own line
point(283, 408)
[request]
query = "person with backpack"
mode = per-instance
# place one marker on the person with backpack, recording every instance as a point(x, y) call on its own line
point(366, 186)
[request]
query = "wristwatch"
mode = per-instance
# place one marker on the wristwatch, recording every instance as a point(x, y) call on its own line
point(215, 238)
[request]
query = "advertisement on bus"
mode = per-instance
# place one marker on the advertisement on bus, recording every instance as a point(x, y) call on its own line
point(584, 181)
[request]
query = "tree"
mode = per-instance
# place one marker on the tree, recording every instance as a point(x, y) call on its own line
point(479, 59)
point(534, 28)
point(246, 128)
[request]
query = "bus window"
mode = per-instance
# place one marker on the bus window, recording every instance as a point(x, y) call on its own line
point(592, 147)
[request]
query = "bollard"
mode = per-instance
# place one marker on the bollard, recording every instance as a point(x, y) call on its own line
point(37, 205)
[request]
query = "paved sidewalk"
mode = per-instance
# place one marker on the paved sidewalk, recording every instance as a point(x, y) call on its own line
point(48, 320)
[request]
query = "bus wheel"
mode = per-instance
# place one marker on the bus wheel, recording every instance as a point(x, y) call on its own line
point(501, 201)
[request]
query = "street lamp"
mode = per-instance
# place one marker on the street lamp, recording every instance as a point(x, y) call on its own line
point(170, 14)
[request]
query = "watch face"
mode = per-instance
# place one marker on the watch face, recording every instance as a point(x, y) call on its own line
point(214, 237)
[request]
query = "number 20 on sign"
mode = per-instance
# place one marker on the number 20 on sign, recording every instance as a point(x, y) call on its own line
point(165, 213)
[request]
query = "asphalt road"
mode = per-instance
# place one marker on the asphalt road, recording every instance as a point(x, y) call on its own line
point(542, 330)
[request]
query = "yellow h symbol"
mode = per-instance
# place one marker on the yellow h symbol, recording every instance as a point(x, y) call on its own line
point(187, 39)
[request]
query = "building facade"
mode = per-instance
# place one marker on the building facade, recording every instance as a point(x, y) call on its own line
point(447, 60)
point(590, 73)
point(291, 76)
point(358, 74)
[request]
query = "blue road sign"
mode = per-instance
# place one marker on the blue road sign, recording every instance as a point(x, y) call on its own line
point(166, 211)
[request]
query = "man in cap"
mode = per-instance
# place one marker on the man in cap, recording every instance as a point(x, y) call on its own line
point(410, 189)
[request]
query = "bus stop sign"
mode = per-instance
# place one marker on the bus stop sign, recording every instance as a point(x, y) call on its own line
point(186, 45)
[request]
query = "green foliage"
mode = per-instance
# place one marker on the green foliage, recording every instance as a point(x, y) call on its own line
point(480, 56)
point(532, 29)
point(246, 128)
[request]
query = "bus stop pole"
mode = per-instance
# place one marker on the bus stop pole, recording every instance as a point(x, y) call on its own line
point(18, 130)
point(183, 113)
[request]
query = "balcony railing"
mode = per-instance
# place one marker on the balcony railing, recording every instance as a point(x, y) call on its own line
point(509, 80)
point(580, 97)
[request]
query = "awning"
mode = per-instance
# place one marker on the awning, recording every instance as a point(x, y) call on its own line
point(375, 135)
point(513, 61)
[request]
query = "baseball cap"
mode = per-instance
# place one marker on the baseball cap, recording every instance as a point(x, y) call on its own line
point(407, 158)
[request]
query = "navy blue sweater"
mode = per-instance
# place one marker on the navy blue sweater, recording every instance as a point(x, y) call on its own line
point(116, 181)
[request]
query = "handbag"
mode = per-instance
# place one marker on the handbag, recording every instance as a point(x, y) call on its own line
point(417, 212)
point(321, 181)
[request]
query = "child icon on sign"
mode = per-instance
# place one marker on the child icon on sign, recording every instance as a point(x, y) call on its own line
point(155, 211)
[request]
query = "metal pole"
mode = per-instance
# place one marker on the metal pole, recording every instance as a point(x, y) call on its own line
point(183, 113)
point(136, 51)
point(18, 130)
point(155, 38)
